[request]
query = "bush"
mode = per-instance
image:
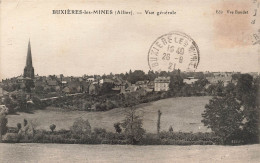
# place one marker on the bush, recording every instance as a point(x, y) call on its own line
point(117, 127)
point(52, 127)
point(110, 105)
point(100, 132)
point(81, 127)
point(87, 105)
point(10, 138)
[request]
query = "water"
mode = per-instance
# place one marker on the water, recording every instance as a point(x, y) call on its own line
point(126, 153)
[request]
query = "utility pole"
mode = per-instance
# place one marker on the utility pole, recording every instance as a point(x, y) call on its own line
point(159, 121)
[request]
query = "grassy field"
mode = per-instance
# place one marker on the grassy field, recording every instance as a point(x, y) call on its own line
point(182, 113)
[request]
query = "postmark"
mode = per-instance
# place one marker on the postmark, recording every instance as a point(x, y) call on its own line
point(175, 50)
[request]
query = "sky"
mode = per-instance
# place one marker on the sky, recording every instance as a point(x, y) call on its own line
point(98, 44)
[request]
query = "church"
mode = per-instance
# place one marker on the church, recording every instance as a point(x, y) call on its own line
point(29, 70)
point(28, 74)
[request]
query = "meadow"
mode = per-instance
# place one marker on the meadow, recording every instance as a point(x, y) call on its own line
point(182, 113)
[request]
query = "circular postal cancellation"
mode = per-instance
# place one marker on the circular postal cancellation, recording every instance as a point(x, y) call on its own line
point(172, 51)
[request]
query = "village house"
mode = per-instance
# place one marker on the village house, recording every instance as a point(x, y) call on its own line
point(119, 85)
point(67, 79)
point(91, 79)
point(150, 85)
point(190, 80)
point(141, 84)
point(19, 79)
point(225, 79)
point(102, 81)
point(132, 88)
point(161, 84)
point(52, 85)
point(64, 83)
point(75, 87)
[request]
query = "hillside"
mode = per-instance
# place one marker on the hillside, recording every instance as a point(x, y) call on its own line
point(182, 113)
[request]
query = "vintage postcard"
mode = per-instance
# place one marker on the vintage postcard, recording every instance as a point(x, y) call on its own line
point(129, 81)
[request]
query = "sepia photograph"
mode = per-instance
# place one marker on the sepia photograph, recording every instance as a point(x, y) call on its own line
point(129, 81)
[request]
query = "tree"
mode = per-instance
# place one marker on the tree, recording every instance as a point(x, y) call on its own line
point(28, 85)
point(244, 86)
point(199, 75)
point(211, 89)
point(132, 124)
point(151, 75)
point(52, 127)
point(137, 75)
point(81, 127)
point(10, 104)
point(19, 126)
point(235, 76)
point(224, 116)
point(230, 89)
point(106, 88)
point(176, 81)
point(187, 90)
point(219, 88)
point(247, 91)
point(236, 114)
point(117, 127)
point(21, 101)
point(163, 74)
point(100, 132)
point(201, 83)
point(37, 102)
point(39, 89)
point(3, 125)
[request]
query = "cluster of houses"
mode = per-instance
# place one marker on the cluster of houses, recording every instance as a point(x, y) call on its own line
point(90, 85)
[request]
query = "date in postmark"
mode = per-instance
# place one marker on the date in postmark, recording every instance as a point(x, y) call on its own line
point(174, 50)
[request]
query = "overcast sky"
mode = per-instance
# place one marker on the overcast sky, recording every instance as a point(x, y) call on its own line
point(98, 44)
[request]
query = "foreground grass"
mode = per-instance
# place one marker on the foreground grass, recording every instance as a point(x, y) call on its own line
point(127, 153)
point(182, 113)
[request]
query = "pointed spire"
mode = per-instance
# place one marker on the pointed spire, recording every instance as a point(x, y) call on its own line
point(29, 70)
point(29, 55)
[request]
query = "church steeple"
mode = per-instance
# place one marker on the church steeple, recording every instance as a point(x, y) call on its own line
point(29, 70)
point(29, 56)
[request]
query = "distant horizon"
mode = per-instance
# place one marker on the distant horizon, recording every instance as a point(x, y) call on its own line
point(36, 74)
